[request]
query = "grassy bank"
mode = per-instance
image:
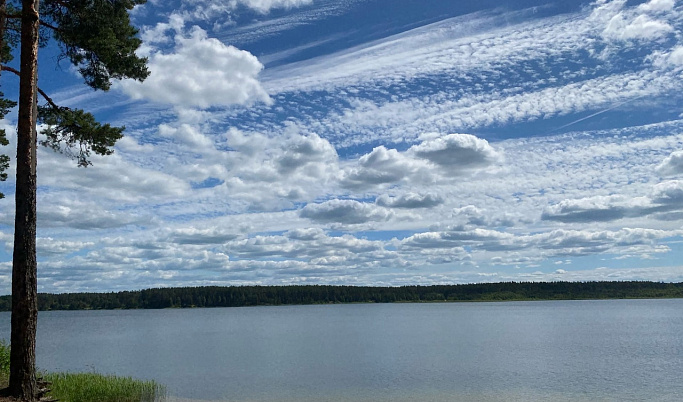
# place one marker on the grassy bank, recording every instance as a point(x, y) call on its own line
point(90, 387)
point(97, 387)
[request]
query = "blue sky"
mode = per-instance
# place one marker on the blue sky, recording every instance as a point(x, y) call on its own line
point(365, 142)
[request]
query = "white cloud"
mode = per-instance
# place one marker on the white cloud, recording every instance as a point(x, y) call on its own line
point(434, 158)
point(186, 135)
point(637, 23)
point(672, 165)
point(264, 6)
point(410, 200)
point(457, 152)
point(347, 212)
point(657, 5)
point(670, 59)
point(206, 236)
point(381, 166)
point(200, 72)
point(112, 177)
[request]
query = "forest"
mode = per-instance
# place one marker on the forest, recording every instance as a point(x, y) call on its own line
point(238, 296)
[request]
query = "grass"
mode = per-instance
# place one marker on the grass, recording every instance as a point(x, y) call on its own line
point(86, 387)
point(4, 364)
point(90, 387)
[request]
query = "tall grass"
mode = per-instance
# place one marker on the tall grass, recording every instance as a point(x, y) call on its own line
point(90, 387)
point(87, 387)
point(4, 363)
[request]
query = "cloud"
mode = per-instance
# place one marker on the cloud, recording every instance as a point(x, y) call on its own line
point(478, 217)
point(433, 159)
point(46, 246)
point(410, 200)
point(668, 193)
point(207, 236)
point(112, 176)
point(84, 215)
point(593, 209)
point(264, 6)
point(347, 212)
point(671, 59)
point(186, 135)
point(672, 165)
point(200, 72)
point(640, 28)
point(381, 166)
point(665, 198)
point(657, 6)
point(457, 152)
point(306, 152)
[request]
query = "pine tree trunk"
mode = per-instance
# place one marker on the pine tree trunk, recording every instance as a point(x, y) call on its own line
point(24, 265)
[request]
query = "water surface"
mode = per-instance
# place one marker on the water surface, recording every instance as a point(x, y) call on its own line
point(616, 350)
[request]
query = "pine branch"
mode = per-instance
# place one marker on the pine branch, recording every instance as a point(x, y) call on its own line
point(44, 95)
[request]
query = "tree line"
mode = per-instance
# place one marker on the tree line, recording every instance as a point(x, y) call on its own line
point(239, 296)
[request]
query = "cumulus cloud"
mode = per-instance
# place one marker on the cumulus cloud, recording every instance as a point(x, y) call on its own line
point(200, 72)
point(432, 158)
point(113, 176)
point(478, 217)
point(381, 166)
point(668, 193)
point(593, 209)
point(345, 212)
point(84, 215)
point(672, 165)
point(410, 200)
point(642, 27)
point(193, 235)
point(306, 152)
point(187, 135)
point(657, 6)
point(669, 59)
point(665, 198)
point(47, 246)
point(457, 152)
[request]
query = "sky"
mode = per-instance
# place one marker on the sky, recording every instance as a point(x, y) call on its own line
point(368, 142)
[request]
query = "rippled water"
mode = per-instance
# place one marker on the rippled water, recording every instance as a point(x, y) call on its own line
point(615, 350)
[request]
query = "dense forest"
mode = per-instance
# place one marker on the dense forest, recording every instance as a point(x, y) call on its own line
point(236, 296)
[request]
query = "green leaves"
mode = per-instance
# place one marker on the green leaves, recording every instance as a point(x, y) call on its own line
point(5, 106)
point(97, 37)
point(76, 133)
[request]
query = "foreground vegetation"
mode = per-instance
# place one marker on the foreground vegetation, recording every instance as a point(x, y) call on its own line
point(94, 387)
point(4, 364)
point(236, 296)
point(90, 387)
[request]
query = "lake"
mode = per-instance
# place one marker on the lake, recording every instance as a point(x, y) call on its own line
point(613, 350)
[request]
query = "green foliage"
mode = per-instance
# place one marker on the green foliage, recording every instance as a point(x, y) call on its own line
point(4, 363)
point(11, 34)
point(5, 105)
point(97, 37)
point(237, 296)
point(76, 133)
point(92, 387)
point(4, 356)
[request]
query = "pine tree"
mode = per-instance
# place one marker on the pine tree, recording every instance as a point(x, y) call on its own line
point(97, 37)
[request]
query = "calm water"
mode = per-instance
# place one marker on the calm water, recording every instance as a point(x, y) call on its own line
point(615, 350)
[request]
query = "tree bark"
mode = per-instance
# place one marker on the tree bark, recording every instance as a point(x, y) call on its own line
point(22, 382)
